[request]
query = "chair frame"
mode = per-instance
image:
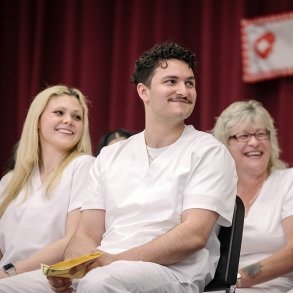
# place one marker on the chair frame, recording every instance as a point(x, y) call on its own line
point(230, 239)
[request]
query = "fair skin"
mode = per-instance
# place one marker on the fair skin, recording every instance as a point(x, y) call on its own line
point(252, 159)
point(168, 101)
point(60, 128)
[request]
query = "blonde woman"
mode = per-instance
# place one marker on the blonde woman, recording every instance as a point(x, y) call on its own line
point(41, 197)
point(266, 188)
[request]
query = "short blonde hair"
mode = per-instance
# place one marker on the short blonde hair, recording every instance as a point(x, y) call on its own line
point(29, 152)
point(245, 113)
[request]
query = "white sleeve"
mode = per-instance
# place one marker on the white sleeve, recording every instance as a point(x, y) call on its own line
point(94, 190)
point(288, 203)
point(212, 183)
point(80, 174)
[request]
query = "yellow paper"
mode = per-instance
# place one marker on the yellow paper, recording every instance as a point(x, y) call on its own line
point(62, 269)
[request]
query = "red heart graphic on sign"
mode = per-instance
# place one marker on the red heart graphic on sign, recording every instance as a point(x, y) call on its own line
point(263, 45)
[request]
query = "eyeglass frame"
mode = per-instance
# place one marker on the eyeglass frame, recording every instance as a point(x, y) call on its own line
point(249, 135)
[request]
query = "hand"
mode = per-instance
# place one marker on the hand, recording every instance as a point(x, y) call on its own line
point(63, 285)
point(103, 260)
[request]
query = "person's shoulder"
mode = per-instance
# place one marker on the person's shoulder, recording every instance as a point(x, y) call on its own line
point(82, 159)
point(201, 138)
point(3, 183)
point(283, 173)
point(79, 165)
point(204, 146)
point(6, 178)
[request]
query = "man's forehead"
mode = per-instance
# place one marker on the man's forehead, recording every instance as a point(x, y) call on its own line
point(174, 67)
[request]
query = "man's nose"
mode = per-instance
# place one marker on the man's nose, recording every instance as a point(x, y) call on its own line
point(181, 89)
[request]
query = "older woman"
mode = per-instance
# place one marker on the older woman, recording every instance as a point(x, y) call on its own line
point(266, 187)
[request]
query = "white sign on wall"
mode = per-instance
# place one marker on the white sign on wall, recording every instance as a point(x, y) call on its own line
point(267, 47)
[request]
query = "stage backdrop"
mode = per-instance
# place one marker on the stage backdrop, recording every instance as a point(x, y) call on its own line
point(93, 44)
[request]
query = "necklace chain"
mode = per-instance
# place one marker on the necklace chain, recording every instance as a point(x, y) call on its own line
point(253, 199)
point(255, 196)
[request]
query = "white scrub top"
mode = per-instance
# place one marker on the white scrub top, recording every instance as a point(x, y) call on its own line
point(263, 233)
point(144, 201)
point(27, 226)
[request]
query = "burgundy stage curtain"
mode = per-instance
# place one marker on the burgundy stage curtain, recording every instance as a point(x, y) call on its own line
point(93, 44)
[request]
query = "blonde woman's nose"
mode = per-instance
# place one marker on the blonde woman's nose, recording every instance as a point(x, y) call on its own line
point(67, 119)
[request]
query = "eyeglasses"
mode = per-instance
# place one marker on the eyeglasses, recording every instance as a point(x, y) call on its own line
point(245, 136)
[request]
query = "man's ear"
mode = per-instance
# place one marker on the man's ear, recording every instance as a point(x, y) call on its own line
point(143, 91)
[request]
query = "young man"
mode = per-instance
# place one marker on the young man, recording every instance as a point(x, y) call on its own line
point(154, 199)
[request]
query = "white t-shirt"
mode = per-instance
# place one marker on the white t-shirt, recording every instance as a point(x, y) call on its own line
point(263, 233)
point(143, 201)
point(28, 226)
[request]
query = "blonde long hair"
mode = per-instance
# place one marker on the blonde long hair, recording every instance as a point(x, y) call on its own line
point(245, 113)
point(29, 152)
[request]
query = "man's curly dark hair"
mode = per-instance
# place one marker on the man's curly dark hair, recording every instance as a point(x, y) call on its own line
point(157, 56)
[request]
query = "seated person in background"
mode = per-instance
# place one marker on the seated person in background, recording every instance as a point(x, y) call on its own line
point(153, 200)
point(112, 137)
point(40, 198)
point(266, 188)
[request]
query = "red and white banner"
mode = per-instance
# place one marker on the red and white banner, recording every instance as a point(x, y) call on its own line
point(267, 47)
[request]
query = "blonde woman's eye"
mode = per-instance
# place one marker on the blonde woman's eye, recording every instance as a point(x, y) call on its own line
point(77, 117)
point(60, 113)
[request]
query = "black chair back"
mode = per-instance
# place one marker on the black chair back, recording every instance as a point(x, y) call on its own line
point(230, 238)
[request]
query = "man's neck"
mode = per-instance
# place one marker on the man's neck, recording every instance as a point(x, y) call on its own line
point(158, 137)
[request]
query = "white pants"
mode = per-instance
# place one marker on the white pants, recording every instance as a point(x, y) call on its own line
point(30, 282)
point(118, 277)
point(279, 285)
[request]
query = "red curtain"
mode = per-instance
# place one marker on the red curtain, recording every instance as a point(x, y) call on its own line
point(93, 44)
